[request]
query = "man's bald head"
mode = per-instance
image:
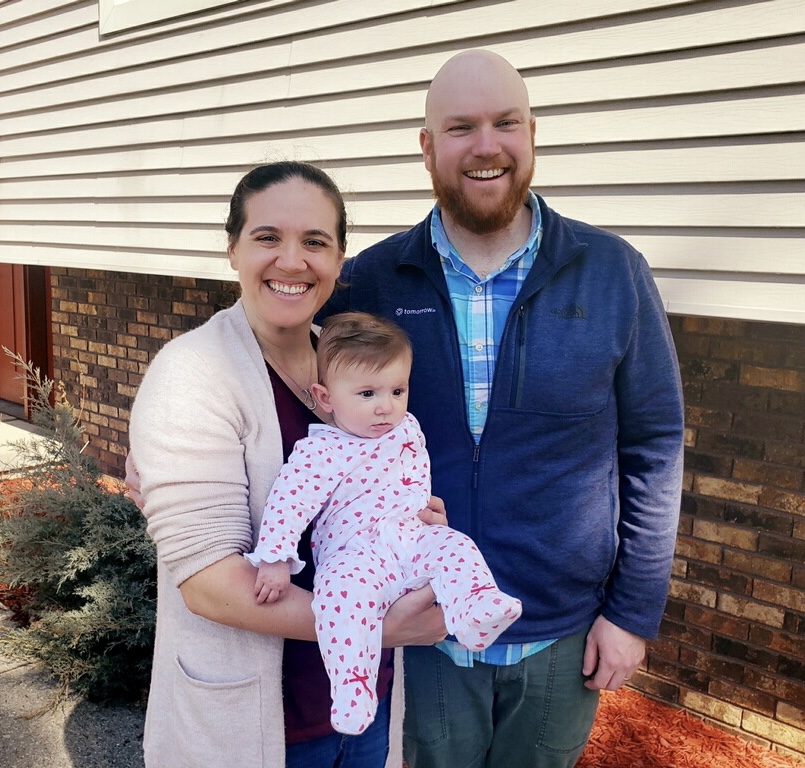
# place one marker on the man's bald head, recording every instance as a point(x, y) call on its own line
point(476, 75)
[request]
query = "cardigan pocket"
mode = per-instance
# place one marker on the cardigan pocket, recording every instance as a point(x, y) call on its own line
point(204, 735)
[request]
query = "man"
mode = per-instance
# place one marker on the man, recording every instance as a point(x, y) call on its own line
point(547, 386)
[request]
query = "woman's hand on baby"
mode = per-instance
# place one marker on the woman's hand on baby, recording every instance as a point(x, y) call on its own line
point(414, 619)
point(133, 482)
point(272, 581)
point(434, 513)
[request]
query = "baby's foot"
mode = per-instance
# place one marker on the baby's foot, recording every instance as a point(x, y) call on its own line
point(487, 613)
point(354, 703)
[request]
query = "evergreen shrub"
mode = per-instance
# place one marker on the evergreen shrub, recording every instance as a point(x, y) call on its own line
point(76, 554)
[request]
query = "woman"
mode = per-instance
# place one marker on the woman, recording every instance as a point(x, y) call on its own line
point(217, 412)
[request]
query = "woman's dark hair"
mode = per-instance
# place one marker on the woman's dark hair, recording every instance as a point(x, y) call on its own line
point(265, 176)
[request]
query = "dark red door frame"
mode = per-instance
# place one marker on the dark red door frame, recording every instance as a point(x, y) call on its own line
point(28, 331)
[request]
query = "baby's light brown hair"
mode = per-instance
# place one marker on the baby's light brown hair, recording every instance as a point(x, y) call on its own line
point(359, 339)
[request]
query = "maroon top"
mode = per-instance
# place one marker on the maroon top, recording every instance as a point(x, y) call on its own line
point(306, 687)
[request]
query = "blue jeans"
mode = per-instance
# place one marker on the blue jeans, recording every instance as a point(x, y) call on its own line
point(369, 750)
point(535, 714)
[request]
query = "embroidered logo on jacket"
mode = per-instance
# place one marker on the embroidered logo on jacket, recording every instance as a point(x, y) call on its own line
point(570, 312)
point(400, 311)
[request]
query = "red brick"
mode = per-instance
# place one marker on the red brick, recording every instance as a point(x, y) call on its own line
point(726, 489)
point(770, 615)
point(774, 378)
point(789, 549)
point(656, 688)
point(714, 326)
point(712, 666)
point(787, 501)
point(696, 549)
point(792, 715)
point(757, 565)
point(182, 308)
point(725, 534)
point(782, 689)
point(664, 648)
point(776, 641)
point(765, 473)
point(693, 593)
point(719, 622)
point(785, 453)
point(780, 595)
point(678, 632)
point(742, 696)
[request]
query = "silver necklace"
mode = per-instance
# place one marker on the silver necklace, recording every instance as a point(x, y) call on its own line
point(306, 395)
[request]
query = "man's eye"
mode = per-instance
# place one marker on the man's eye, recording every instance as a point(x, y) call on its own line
point(458, 129)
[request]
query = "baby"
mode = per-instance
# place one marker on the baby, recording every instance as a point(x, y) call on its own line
point(367, 476)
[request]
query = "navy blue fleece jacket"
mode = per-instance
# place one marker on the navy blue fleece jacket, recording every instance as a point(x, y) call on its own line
point(573, 492)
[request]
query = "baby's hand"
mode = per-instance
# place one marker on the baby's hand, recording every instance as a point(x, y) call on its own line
point(272, 580)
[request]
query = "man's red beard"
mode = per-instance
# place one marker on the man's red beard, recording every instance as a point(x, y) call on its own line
point(480, 220)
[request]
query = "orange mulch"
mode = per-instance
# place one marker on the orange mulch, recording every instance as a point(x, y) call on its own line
point(632, 731)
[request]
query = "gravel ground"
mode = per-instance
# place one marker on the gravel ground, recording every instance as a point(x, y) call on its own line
point(76, 734)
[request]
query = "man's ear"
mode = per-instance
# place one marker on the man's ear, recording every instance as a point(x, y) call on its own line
point(322, 396)
point(426, 144)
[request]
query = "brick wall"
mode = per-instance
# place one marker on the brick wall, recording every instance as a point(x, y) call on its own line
point(733, 639)
point(732, 647)
point(106, 328)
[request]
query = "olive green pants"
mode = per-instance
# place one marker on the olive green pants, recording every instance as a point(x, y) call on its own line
point(533, 714)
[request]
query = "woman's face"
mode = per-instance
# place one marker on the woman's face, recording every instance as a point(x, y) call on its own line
point(287, 255)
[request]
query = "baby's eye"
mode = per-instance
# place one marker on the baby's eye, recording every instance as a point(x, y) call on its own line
point(367, 393)
point(399, 392)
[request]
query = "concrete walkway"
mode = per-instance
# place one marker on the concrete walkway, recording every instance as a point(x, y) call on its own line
point(76, 734)
point(11, 429)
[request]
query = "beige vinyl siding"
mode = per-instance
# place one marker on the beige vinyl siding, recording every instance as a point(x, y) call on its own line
point(680, 125)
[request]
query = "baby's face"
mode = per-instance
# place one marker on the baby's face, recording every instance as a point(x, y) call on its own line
point(369, 403)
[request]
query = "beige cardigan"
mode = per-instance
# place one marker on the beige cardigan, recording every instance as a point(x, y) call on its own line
point(205, 437)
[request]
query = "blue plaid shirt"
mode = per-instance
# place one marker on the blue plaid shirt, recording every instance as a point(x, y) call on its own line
point(480, 308)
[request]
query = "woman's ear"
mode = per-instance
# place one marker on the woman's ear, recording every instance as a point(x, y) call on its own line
point(322, 396)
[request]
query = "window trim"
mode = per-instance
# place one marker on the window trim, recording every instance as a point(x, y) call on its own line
point(120, 15)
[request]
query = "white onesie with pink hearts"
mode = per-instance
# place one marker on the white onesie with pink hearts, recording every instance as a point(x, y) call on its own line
point(369, 548)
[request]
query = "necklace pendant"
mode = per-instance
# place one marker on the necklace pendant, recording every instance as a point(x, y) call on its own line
point(307, 399)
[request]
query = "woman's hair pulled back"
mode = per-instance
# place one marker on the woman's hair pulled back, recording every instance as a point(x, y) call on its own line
point(265, 176)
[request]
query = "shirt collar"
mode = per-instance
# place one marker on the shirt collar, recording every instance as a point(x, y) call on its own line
point(448, 253)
